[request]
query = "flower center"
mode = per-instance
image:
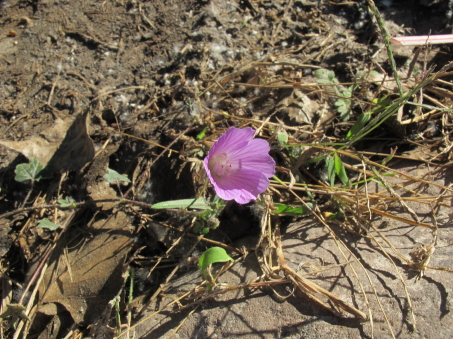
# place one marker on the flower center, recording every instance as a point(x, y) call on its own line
point(220, 165)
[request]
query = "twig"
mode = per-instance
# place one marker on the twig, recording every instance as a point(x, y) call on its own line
point(41, 269)
point(76, 204)
point(117, 90)
point(49, 100)
point(28, 193)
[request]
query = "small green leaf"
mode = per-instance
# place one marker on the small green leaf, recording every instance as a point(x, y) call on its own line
point(333, 216)
point(200, 203)
point(359, 124)
point(340, 170)
point(331, 76)
point(211, 256)
point(283, 209)
point(46, 223)
point(322, 74)
point(28, 171)
point(340, 103)
point(331, 170)
point(384, 101)
point(347, 93)
point(202, 133)
point(114, 177)
point(388, 158)
point(295, 151)
point(68, 201)
point(324, 82)
point(282, 137)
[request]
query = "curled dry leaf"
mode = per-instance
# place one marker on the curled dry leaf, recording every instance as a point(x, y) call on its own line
point(63, 147)
point(94, 274)
point(298, 107)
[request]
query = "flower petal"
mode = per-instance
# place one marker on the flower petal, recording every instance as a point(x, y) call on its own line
point(247, 162)
point(232, 140)
point(255, 156)
point(241, 185)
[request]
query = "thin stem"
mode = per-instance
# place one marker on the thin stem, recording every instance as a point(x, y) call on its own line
point(76, 204)
point(386, 37)
point(28, 194)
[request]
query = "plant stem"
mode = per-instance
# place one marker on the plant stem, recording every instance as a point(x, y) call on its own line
point(386, 37)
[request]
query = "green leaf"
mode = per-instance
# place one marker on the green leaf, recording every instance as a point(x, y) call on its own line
point(211, 256)
point(387, 159)
point(46, 223)
point(340, 170)
point(322, 74)
point(202, 133)
point(347, 93)
point(324, 82)
point(331, 170)
point(331, 76)
point(295, 151)
point(346, 114)
point(340, 103)
point(282, 137)
point(114, 177)
point(28, 171)
point(68, 201)
point(290, 210)
point(359, 124)
point(383, 102)
point(200, 203)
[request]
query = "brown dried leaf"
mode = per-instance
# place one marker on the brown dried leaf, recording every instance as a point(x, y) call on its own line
point(94, 276)
point(63, 147)
point(298, 107)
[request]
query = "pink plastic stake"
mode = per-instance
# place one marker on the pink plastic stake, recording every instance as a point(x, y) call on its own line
point(422, 40)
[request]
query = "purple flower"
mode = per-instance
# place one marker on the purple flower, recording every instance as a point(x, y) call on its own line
point(239, 166)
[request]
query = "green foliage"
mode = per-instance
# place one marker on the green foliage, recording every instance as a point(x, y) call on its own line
point(334, 216)
point(200, 203)
point(46, 223)
point(325, 76)
point(212, 256)
point(379, 105)
point(335, 167)
point(330, 170)
point(67, 202)
point(282, 137)
point(298, 211)
point(340, 170)
point(359, 124)
point(344, 108)
point(202, 133)
point(198, 151)
point(343, 102)
point(113, 177)
point(30, 171)
point(389, 157)
point(207, 219)
point(200, 229)
point(295, 151)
